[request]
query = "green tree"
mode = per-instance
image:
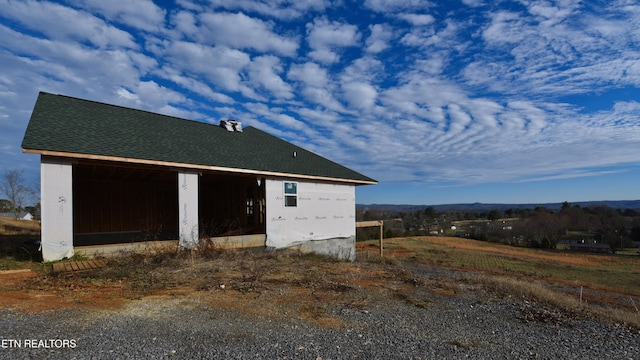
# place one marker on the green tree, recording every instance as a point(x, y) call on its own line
point(494, 215)
point(611, 228)
point(388, 234)
point(5, 206)
point(541, 209)
point(634, 234)
point(430, 213)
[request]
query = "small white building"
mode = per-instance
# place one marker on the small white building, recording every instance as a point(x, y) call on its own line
point(23, 215)
point(115, 176)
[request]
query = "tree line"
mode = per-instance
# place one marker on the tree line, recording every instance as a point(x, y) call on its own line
point(538, 227)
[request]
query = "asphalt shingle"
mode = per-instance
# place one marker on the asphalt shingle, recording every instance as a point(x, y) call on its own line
point(70, 125)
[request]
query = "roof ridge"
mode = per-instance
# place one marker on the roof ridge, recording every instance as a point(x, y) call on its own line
point(131, 108)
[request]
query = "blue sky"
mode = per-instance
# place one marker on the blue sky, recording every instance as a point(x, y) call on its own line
point(440, 101)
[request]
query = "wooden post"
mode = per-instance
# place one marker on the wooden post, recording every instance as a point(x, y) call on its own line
point(381, 247)
point(379, 223)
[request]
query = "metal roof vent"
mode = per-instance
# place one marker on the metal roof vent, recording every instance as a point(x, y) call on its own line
point(231, 125)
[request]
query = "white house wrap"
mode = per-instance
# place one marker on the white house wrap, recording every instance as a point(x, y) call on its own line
point(56, 193)
point(322, 212)
point(188, 209)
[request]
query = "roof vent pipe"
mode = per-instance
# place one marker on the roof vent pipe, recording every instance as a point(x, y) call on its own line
point(231, 125)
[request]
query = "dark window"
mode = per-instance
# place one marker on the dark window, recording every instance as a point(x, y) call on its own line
point(290, 194)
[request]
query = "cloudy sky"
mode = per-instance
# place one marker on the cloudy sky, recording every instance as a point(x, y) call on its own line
point(440, 101)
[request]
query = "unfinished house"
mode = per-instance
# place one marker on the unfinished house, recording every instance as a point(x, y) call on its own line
point(115, 177)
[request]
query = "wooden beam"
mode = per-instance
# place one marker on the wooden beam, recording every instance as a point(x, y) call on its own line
point(360, 224)
point(193, 166)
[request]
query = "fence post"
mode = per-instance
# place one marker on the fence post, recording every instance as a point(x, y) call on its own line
point(381, 247)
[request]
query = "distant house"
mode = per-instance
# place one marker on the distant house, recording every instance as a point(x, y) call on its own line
point(589, 245)
point(23, 215)
point(115, 176)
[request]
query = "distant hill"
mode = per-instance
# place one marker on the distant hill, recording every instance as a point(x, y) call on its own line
point(481, 207)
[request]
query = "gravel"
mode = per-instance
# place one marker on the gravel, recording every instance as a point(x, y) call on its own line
point(466, 326)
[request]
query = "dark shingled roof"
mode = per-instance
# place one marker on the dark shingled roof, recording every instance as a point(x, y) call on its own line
point(63, 124)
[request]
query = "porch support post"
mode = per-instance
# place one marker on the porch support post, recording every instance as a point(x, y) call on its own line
point(188, 208)
point(56, 199)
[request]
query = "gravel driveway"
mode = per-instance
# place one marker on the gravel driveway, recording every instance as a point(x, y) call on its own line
point(190, 326)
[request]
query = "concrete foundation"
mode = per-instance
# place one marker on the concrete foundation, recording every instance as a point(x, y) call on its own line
point(340, 248)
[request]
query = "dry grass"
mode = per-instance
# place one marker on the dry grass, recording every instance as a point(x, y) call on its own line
point(290, 284)
point(18, 247)
point(612, 273)
point(25, 225)
point(562, 307)
point(574, 259)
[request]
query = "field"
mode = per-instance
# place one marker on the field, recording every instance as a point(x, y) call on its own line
point(416, 270)
point(18, 248)
point(615, 273)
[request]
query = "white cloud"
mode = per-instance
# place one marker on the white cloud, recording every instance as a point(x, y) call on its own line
point(315, 85)
point(363, 69)
point(311, 74)
point(185, 24)
point(275, 115)
point(558, 49)
point(74, 63)
point(316, 117)
point(417, 19)
point(360, 95)
point(263, 73)
point(65, 24)
point(331, 33)
point(322, 97)
point(220, 65)
point(155, 96)
point(142, 14)
point(473, 3)
point(194, 85)
point(244, 32)
point(392, 6)
point(325, 56)
point(326, 38)
point(281, 9)
point(506, 27)
point(379, 38)
point(534, 118)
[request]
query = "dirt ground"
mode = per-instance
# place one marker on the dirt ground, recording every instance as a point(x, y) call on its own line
point(277, 284)
point(272, 284)
point(21, 290)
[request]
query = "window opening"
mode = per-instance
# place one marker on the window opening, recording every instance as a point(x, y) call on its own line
point(290, 194)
